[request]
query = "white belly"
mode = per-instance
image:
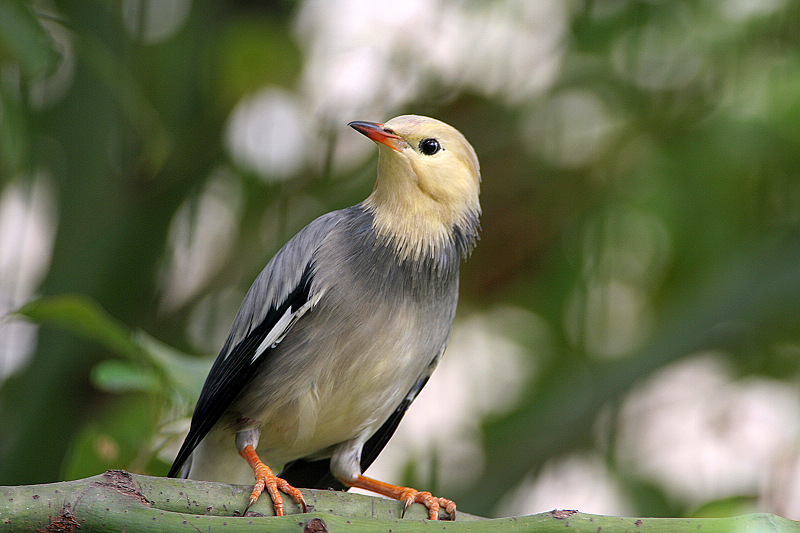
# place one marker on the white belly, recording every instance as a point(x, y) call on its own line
point(347, 394)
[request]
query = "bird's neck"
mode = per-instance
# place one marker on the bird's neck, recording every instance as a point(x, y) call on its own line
point(419, 226)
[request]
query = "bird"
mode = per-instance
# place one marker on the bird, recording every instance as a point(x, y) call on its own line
point(342, 329)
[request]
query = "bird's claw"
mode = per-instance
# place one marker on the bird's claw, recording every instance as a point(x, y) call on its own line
point(266, 480)
point(411, 496)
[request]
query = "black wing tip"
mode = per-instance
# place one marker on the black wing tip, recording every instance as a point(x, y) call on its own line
point(184, 454)
point(177, 465)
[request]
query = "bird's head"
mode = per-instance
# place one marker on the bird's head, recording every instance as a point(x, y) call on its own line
point(426, 194)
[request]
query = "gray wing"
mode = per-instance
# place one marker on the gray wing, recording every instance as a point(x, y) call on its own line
point(282, 293)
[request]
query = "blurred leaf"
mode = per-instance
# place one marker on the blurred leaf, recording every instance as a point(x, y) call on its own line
point(119, 436)
point(24, 40)
point(114, 375)
point(725, 507)
point(649, 498)
point(84, 317)
point(184, 373)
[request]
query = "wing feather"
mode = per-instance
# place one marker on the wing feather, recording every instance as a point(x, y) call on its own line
point(282, 294)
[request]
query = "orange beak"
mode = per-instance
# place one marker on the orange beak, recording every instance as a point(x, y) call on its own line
point(379, 134)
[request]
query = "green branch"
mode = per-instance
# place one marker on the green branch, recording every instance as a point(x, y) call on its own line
point(118, 501)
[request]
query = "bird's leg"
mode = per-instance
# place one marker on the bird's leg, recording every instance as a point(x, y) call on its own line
point(274, 485)
point(407, 495)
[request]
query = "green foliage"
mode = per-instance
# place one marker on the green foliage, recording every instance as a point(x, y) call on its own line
point(641, 204)
point(84, 317)
point(151, 382)
point(151, 366)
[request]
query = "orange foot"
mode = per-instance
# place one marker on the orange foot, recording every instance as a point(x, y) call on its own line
point(408, 496)
point(274, 485)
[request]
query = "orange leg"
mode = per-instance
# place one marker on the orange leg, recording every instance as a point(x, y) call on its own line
point(408, 496)
point(265, 479)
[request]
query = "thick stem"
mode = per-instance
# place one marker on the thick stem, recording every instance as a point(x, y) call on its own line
point(117, 501)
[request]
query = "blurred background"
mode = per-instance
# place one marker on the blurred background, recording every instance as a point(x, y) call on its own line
point(627, 339)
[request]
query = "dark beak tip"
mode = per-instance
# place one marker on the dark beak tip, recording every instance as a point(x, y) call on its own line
point(362, 125)
point(378, 133)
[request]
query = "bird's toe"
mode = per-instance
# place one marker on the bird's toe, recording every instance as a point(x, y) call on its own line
point(267, 480)
point(432, 503)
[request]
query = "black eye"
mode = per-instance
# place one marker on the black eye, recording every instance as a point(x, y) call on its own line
point(429, 146)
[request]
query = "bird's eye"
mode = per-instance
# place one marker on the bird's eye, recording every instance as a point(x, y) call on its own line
point(429, 146)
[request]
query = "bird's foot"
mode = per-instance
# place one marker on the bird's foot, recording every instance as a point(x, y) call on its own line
point(267, 480)
point(411, 496)
point(408, 496)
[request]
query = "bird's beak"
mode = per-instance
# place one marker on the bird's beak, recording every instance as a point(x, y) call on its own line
point(379, 133)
